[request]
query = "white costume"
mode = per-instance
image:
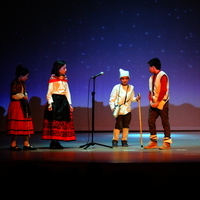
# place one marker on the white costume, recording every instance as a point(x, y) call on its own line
point(122, 95)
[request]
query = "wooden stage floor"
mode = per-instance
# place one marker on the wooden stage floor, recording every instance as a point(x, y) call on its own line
point(182, 161)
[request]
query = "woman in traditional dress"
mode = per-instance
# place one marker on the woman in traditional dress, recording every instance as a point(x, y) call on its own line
point(58, 123)
point(19, 121)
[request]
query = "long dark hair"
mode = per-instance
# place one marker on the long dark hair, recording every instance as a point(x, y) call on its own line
point(56, 67)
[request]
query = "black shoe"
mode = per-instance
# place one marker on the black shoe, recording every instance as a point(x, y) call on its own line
point(124, 143)
point(58, 145)
point(16, 148)
point(29, 148)
point(55, 145)
point(114, 143)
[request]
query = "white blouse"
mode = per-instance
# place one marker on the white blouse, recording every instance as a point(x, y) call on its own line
point(58, 86)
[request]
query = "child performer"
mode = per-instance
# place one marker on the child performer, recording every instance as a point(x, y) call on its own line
point(58, 123)
point(159, 105)
point(19, 121)
point(122, 94)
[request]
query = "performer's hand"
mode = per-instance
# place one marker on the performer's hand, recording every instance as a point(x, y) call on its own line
point(154, 105)
point(50, 107)
point(138, 97)
point(71, 109)
point(25, 97)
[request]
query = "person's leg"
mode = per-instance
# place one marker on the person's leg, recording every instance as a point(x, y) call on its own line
point(153, 115)
point(115, 139)
point(26, 141)
point(116, 131)
point(125, 131)
point(27, 145)
point(13, 141)
point(164, 114)
point(13, 144)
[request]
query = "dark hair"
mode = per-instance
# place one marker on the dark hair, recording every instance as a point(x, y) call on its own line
point(155, 62)
point(56, 67)
point(21, 71)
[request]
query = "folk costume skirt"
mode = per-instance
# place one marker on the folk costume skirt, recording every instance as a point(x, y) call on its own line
point(58, 124)
point(19, 121)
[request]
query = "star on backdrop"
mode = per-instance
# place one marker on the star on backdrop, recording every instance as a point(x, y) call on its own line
point(94, 36)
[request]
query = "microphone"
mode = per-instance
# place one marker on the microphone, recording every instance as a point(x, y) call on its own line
point(101, 73)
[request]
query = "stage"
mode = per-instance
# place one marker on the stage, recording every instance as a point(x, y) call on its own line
point(185, 152)
point(183, 158)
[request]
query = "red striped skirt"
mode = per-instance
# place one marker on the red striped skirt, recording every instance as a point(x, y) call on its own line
point(17, 124)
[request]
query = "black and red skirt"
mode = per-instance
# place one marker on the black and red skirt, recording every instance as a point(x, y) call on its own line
point(58, 124)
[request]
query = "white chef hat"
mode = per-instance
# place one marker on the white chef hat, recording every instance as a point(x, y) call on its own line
point(123, 73)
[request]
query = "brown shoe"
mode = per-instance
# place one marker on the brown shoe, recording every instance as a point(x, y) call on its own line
point(151, 145)
point(165, 146)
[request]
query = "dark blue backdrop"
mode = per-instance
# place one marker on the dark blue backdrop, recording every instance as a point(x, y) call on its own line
point(101, 35)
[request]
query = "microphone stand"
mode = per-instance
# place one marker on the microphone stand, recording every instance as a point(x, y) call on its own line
point(92, 143)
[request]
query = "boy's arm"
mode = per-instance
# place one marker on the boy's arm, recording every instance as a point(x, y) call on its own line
point(163, 88)
point(113, 97)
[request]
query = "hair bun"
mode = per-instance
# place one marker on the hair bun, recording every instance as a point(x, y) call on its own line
point(21, 71)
